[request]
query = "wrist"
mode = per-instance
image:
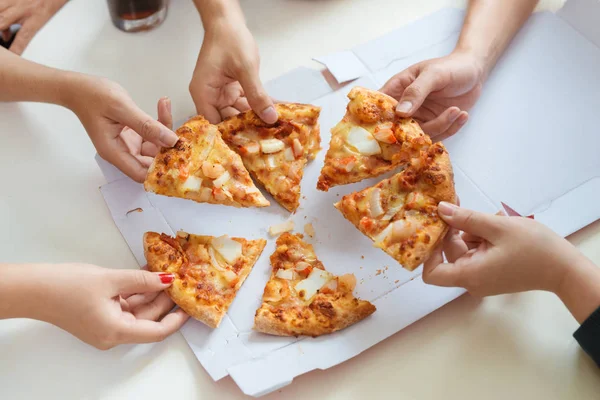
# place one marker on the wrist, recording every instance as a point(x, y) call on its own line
point(21, 294)
point(475, 59)
point(579, 288)
point(218, 13)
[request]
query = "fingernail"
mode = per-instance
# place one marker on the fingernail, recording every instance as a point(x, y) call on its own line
point(446, 209)
point(454, 113)
point(166, 277)
point(168, 104)
point(404, 107)
point(463, 119)
point(269, 115)
point(168, 137)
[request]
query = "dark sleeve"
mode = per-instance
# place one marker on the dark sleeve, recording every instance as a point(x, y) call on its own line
point(588, 336)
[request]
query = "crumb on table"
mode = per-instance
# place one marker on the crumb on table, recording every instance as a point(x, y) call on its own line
point(309, 229)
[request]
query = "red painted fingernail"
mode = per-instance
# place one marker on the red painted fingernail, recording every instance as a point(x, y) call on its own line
point(166, 278)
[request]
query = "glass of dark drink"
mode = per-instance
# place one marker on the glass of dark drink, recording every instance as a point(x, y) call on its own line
point(137, 15)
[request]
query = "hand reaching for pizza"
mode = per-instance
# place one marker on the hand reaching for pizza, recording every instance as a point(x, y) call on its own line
point(226, 80)
point(32, 15)
point(498, 254)
point(100, 306)
point(122, 133)
point(438, 92)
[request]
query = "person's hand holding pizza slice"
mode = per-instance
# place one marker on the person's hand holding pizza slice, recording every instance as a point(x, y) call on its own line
point(226, 80)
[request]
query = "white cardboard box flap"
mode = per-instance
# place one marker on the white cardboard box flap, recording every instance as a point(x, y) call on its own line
point(583, 16)
point(530, 142)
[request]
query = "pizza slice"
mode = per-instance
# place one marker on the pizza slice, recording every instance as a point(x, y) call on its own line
point(302, 298)
point(202, 168)
point(370, 140)
point(208, 270)
point(400, 213)
point(276, 154)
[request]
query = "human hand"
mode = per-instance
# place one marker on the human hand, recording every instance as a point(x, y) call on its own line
point(105, 307)
point(122, 133)
point(438, 92)
point(498, 254)
point(226, 80)
point(32, 15)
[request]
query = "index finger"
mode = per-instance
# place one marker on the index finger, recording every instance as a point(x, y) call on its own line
point(146, 331)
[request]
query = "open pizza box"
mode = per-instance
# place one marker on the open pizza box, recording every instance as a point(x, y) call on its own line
point(532, 142)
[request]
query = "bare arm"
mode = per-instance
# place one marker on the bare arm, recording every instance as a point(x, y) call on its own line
point(580, 288)
point(226, 79)
point(489, 27)
point(103, 107)
point(23, 80)
point(215, 11)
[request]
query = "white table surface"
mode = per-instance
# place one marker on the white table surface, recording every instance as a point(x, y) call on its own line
point(517, 346)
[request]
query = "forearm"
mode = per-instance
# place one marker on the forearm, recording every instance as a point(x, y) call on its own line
point(489, 27)
point(20, 294)
point(23, 80)
point(579, 289)
point(217, 11)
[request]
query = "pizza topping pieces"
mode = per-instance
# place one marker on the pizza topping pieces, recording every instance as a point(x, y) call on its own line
point(384, 133)
point(212, 171)
point(416, 200)
point(298, 149)
point(392, 211)
point(403, 229)
point(227, 273)
point(346, 164)
point(228, 248)
point(221, 180)
point(192, 184)
point(205, 194)
point(382, 236)
point(271, 162)
point(288, 274)
point(309, 287)
point(289, 154)
point(375, 203)
point(362, 140)
point(250, 148)
point(239, 139)
point(347, 282)
point(303, 267)
point(269, 146)
point(330, 287)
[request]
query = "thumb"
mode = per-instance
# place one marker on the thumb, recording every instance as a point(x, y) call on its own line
point(257, 96)
point(416, 93)
point(486, 226)
point(130, 281)
point(147, 127)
